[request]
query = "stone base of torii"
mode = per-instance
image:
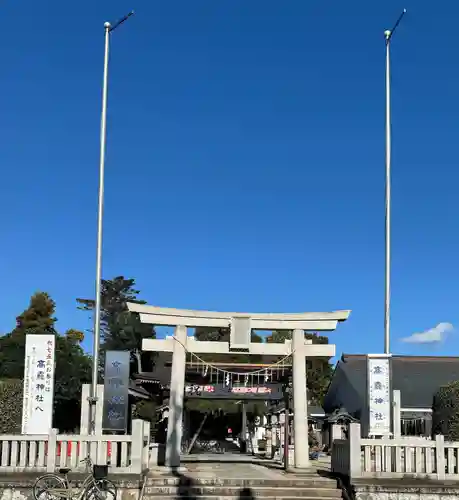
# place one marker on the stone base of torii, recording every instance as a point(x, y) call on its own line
point(241, 326)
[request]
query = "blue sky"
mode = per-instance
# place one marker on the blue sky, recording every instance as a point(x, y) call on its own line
point(245, 165)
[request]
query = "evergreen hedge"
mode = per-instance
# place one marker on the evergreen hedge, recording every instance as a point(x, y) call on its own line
point(445, 418)
point(11, 406)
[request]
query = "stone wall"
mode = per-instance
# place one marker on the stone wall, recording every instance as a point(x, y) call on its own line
point(19, 486)
point(405, 489)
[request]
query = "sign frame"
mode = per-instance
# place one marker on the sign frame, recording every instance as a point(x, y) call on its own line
point(379, 395)
point(116, 391)
point(38, 385)
point(258, 392)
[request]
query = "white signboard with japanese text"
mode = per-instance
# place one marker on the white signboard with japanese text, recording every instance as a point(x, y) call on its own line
point(37, 405)
point(379, 400)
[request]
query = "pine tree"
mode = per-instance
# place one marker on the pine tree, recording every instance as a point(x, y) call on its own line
point(121, 329)
point(38, 319)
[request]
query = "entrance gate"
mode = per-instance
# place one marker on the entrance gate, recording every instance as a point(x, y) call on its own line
point(228, 431)
point(241, 326)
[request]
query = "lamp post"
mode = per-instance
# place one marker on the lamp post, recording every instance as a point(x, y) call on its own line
point(388, 36)
point(109, 28)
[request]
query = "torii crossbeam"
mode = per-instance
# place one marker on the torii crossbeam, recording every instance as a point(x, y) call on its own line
point(241, 326)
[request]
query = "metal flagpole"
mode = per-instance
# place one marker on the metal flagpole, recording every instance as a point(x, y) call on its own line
point(388, 35)
point(103, 139)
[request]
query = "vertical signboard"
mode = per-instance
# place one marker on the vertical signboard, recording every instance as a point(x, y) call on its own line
point(379, 400)
point(37, 403)
point(116, 390)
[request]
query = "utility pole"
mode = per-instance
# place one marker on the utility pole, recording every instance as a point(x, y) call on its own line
point(103, 139)
point(388, 36)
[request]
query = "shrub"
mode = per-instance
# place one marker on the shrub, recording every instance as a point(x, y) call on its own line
point(11, 406)
point(445, 418)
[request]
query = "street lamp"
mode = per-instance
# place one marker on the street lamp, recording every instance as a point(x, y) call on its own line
point(103, 139)
point(388, 35)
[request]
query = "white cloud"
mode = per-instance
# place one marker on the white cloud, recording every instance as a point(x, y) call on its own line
point(431, 336)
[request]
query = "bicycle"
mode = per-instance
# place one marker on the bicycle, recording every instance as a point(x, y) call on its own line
point(215, 447)
point(209, 446)
point(95, 486)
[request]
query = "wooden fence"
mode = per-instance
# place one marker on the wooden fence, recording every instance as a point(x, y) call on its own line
point(395, 458)
point(123, 454)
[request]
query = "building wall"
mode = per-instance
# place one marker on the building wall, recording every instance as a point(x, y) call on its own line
point(342, 393)
point(417, 378)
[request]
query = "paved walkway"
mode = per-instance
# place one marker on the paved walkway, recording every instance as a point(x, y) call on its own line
point(233, 470)
point(239, 458)
point(230, 465)
point(220, 457)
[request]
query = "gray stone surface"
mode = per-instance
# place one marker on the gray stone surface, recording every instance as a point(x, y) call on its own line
point(213, 481)
point(225, 481)
point(405, 489)
point(19, 486)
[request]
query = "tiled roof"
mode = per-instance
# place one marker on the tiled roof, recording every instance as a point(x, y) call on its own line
point(315, 410)
point(417, 378)
point(312, 409)
point(137, 391)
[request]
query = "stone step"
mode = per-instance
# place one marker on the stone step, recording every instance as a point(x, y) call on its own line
point(153, 492)
point(316, 482)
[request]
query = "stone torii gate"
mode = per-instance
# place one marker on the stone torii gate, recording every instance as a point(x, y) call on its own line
point(241, 326)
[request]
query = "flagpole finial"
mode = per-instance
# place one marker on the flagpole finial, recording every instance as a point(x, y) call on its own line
point(387, 33)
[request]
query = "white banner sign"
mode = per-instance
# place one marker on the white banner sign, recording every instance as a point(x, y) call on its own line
point(379, 401)
point(37, 409)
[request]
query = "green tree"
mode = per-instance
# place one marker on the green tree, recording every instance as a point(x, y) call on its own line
point(73, 367)
point(319, 370)
point(445, 415)
point(38, 319)
point(121, 329)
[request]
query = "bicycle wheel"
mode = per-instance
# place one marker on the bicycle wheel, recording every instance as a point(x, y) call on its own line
point(107, 485)
point(103, 489)
point(49, 487)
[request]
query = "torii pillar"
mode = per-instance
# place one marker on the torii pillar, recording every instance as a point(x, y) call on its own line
point(241, 326)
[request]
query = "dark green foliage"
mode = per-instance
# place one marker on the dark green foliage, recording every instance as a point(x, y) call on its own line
point(446, 411)
point(120, 329)
point(11, 406)
point(73, 369)
point(12, 352)
point(38, 319)
point(73, 366)
point(319, 370)
point(146, 410)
